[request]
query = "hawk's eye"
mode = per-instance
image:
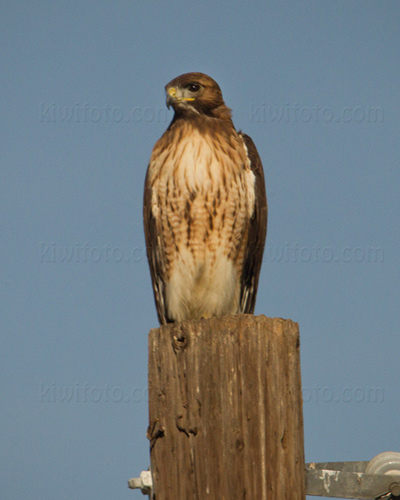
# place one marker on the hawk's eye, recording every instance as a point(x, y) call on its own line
point(193, 87)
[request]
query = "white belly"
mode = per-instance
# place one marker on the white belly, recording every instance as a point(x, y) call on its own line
point(203, 288)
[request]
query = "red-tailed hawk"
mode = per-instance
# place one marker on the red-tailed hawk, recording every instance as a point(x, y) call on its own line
point(205, 208)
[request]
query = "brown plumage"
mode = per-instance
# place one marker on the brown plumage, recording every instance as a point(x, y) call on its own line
point(205, 208)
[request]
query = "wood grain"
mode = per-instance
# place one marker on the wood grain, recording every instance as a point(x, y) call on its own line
point(226, 410)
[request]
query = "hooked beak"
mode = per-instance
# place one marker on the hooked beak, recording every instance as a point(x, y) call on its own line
point(171, 96)
point(176, 95)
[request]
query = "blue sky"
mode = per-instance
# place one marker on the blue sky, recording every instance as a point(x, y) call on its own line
point(316, 85)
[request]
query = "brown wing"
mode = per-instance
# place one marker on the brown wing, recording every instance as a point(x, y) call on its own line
point(257, 233)
point(155, 254)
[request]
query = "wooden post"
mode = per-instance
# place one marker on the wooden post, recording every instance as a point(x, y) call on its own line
point(226, 410)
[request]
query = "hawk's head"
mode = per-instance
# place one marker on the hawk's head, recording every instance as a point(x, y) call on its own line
point(196, 93)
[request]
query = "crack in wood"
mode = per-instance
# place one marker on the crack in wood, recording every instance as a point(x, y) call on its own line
point(188, 431)
point(155, 431)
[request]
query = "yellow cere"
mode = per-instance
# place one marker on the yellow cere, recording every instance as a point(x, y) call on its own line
point(172, 92)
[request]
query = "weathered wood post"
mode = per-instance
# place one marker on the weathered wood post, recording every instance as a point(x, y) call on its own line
point(226, 410)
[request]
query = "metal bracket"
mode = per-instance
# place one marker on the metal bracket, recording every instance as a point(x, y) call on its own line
point(349, 480)
point(378, 479)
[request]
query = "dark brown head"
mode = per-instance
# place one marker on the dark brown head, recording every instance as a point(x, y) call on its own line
point(196, 93)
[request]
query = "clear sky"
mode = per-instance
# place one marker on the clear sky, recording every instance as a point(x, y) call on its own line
point(316, 85)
